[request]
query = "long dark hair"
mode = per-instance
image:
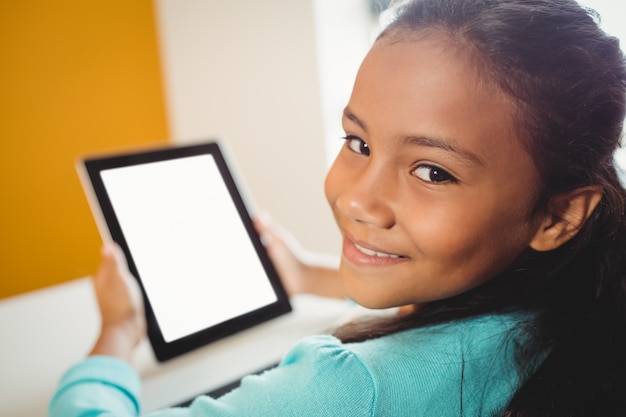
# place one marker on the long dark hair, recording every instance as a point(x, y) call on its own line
point(567, 79)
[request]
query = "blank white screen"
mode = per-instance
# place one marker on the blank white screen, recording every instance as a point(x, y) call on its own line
point(192, 252)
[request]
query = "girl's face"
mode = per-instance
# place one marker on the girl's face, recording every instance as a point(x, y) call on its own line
point(433, 190)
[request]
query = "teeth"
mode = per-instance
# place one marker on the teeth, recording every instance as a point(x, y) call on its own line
point(371, 252)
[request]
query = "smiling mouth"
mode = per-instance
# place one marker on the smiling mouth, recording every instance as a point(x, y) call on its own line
point(371, 252)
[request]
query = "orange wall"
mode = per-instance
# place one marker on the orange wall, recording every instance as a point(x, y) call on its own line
point(76, 77)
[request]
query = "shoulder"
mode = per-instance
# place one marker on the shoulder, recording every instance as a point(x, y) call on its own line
point(467, 364)
point(473, 337)
point(317, 377)
point(321, 348)
point(437, 370)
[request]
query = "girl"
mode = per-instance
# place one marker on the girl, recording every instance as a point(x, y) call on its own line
point(477, 189)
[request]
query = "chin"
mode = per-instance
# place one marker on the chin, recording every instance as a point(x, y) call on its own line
point(368, 296)
point(372, 302)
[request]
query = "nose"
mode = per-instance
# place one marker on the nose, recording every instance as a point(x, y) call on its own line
point(367, 197)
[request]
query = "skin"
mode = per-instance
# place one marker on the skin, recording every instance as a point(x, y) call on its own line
point(120, 304)
point(432, 192)
point(297, 276)
point(432, 173)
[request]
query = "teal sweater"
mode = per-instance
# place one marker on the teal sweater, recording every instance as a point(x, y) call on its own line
point(463, 368)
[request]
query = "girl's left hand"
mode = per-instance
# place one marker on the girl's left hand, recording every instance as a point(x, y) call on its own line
point(121, 306)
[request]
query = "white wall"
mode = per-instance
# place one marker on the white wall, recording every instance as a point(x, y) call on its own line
point(344, 33)
point(247, 71)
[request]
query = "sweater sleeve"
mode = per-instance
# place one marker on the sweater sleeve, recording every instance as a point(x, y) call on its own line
point(98, 386)
point(318, 377)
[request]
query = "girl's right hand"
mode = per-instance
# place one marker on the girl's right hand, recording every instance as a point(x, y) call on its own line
point(298, 276)
point(293, 272)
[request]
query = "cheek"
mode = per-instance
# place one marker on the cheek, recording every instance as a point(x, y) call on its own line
point(446, 235)
point(467, 230)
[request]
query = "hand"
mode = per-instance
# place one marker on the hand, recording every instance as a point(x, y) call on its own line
point(121, 306)
point(292, 271)
point(314, 276)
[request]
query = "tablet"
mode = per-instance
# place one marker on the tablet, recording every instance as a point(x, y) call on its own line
point(181, 221)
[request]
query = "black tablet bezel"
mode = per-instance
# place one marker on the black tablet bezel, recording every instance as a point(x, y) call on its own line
point(90, 174)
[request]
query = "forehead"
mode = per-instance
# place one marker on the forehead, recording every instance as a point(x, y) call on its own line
point(429, 63)
point(427, 86)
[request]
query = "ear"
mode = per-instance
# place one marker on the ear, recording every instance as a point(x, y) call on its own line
point(567, 213)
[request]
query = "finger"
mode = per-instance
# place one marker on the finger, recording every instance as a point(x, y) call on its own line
point(262, 223)
point(112, 251)
point(107, 263)
point(113, 268)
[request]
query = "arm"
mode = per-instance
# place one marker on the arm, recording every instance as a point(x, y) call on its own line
point(103, 384)
point(318, 377)
point(314, 276)
point(105, 380)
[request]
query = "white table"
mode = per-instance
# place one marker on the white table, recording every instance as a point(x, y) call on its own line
point(42, 333)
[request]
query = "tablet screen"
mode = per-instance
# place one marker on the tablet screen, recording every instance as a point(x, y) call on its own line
point(177, 216)
point(189, 241)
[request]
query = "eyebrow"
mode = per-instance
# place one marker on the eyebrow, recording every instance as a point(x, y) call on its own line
point(445, 145)
point(431, 142)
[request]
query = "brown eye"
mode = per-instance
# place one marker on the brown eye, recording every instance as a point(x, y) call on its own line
point(434, 174)
point(357, 145)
